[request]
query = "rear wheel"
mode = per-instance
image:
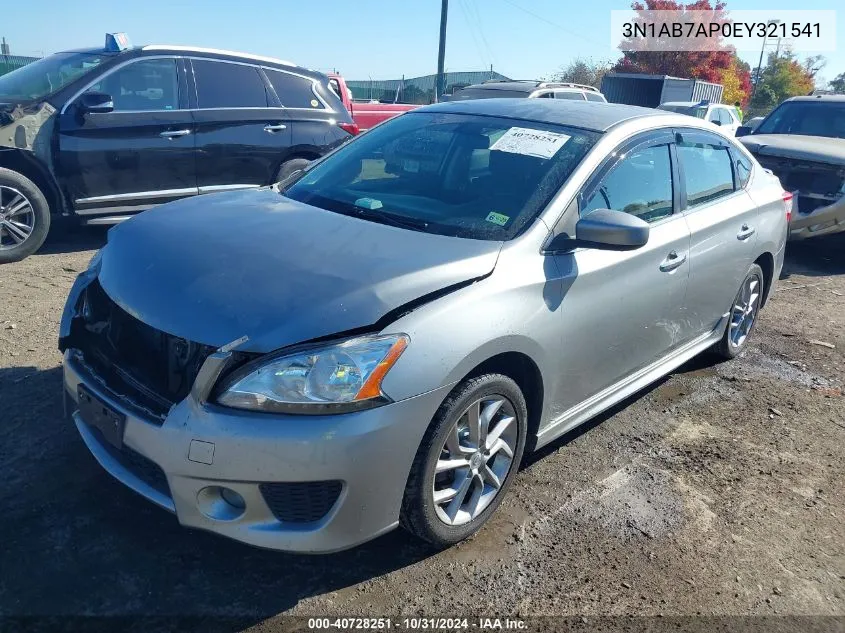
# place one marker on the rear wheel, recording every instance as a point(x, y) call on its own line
point(24, 217)
point(743, 314)
point(467, 460)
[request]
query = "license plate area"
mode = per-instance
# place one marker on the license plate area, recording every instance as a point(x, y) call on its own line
point(101, 416)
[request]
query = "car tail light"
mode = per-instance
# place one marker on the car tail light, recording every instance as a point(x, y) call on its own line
point(787, 205)
point(352, 128)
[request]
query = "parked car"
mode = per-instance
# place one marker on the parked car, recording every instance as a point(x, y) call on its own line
point(753, 122)
point(367, 113)
point(803, 142)
point(99, 134)
point(724, 116)
point(461, 284)
point(529, 89)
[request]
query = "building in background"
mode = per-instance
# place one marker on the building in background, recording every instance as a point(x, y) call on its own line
point(417, 89)
point(9, 62)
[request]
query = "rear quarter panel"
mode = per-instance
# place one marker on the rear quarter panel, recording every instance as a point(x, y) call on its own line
point(772, 228)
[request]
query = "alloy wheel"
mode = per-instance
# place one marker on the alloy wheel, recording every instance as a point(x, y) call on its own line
point(17, 218)
point(745, 310)
point(475, 459)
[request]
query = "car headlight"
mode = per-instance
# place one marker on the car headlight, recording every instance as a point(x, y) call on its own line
point(332, 378)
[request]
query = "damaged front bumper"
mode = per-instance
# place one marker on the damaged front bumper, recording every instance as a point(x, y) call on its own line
point(823, 220)
point(310, 484)
point(819, 193)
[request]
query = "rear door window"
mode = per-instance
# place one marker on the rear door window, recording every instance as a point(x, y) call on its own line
point(569, 95)
point(707, 171)
point(228, 85)
point(295, 91)
point(594, 96)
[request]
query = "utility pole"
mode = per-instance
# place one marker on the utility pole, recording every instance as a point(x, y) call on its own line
point(440, 84)
point(760, 64)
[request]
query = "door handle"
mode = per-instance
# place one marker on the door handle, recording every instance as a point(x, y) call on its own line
point(745, 232)
point(174, 133)
point(672, 261)
point(278, 127)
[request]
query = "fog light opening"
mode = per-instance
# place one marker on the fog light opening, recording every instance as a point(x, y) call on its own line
point(220, 504)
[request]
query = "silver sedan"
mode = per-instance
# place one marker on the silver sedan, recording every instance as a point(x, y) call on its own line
point(379, 339)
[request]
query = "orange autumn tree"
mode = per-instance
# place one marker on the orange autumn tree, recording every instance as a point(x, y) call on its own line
point(705, 65)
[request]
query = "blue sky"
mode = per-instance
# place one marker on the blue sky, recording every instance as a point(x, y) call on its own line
point(381, 39)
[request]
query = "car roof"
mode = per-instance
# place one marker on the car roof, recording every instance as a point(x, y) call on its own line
point(838, 98)
point(182, 50)
point(588, 115)
point(519, 86)
point(688, 103)
point(175, 48)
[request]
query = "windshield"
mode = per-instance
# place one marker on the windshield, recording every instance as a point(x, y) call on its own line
point(808, 118)
point(697, 111)
point(461, 175)
point(47, 75)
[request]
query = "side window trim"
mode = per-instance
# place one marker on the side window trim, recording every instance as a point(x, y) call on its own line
point(638, 142)
point(110, 71)
point(702, 136)
point(326, 107)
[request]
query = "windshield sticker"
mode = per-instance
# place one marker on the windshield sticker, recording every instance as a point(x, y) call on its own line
point(520, 140)
point(368, 203)
point(497, 218)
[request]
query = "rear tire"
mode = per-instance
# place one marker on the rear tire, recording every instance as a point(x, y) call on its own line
point(485, 467)
point(290, 166)
point(743, 314)
point(24, 217)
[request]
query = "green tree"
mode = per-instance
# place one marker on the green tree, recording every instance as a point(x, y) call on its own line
point(583, 71)
point(837, 84)
point(782, 78)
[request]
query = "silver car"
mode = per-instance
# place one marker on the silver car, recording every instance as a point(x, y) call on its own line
point(378, 340)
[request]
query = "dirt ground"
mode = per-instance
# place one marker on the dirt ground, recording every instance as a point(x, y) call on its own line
point(718, 491)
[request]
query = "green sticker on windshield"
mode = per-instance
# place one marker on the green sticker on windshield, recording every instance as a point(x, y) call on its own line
point(497, 218)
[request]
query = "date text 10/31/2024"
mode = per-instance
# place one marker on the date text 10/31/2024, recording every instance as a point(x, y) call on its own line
point(416, 623)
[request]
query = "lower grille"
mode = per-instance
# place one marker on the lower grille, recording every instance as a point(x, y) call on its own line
point(138, 465)
point(301, 502)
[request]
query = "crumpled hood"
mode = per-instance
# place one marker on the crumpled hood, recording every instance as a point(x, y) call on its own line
point(820, 149)
point(253, 263)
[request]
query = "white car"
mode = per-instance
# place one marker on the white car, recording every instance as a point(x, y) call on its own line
point(724, 116)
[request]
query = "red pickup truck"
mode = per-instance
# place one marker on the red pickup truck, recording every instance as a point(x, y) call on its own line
point(366, 114)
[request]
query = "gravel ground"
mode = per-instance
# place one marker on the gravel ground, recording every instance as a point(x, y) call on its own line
point(718, 491)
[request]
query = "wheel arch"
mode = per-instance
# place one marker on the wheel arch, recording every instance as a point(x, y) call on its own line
point(766, 261)
point(26, 165)
point(522, 369)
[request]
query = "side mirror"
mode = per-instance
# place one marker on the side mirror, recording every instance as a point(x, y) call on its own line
point(604, 229)
point(716, 122)
point(743, 130)
point(96, 102)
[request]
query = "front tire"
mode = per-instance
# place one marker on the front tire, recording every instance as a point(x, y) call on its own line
point(466, 461)
point(743, 314)
point(290, 166)
point(24, 217)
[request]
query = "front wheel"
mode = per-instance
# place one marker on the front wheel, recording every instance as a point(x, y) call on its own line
point(467, 460)
point(743, 314)
point(24, 217)
point(290, 167)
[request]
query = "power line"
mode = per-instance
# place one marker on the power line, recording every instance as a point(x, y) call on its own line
point(469, 23)
point(554, 24)
point(474, 7)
